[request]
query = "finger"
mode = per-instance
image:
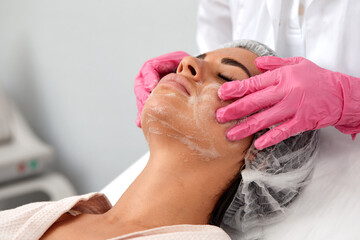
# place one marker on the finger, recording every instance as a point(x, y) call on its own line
point(156, 70)
point(237, 89)
point(138, 83)
point(140, 106)
point(165, 67)
point(279, 133)
point(138, 120)
point(140, 89)
point(141, 98)
point(249, 104)
point(150, 79)
point(270, 62)
point(147, 78)
point(259, 121)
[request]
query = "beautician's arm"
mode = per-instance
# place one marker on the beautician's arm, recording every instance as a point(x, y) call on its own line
point(214, 26)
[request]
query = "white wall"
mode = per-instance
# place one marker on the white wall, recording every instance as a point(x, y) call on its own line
point(70, 65)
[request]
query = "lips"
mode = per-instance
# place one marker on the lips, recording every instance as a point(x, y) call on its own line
point(178, 82)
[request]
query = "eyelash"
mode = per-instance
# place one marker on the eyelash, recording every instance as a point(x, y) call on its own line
point(225, 78)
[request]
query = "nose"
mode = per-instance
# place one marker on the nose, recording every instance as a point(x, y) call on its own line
point(190, 67)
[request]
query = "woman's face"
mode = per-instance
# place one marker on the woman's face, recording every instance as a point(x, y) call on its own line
point(182, 107)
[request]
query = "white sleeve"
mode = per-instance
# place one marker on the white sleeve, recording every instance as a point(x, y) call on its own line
point(214, 25)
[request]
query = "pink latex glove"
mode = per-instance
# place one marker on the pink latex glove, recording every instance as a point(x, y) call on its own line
point(294, 93)
point(150, 74)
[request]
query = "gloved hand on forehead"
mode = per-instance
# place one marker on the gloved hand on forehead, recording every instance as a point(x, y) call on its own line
point(296, 95)
point(150, 74)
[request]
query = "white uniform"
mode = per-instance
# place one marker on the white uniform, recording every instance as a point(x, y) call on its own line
point(325, 32)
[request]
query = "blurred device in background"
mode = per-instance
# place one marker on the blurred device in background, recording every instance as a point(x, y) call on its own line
point(25, 163)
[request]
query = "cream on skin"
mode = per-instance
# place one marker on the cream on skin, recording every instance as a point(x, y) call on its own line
point(191, 162)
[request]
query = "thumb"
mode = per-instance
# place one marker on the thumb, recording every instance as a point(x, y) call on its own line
point(270, 62)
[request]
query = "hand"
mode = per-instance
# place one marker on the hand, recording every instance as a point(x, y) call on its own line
point(151, 73)
point(295, 95)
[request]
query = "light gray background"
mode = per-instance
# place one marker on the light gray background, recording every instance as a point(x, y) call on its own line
point(70, 66)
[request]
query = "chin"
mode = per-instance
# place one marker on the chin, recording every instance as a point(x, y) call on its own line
point(165, 105)
point(159, 117)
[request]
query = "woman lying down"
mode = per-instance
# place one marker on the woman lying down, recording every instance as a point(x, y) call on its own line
point(195, 181)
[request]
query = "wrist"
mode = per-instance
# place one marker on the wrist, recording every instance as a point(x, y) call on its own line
point(349, 122)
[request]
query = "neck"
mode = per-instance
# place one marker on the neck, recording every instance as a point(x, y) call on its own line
point(176, 187)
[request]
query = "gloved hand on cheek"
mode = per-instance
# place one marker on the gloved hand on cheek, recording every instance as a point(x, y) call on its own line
point(150, 74)
point(296, 95)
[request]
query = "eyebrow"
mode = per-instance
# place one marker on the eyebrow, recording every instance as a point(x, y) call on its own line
point(229, 61)
point(201, 56)
point(232, 62)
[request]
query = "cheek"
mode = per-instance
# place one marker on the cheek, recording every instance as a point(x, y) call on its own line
point(216, 132)
point(166, 112)
point(191, 121)
point(235, 150)
point(189, 114)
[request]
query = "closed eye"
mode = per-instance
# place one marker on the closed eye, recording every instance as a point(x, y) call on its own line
point(225, 78)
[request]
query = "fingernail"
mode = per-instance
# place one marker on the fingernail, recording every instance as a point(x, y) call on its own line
point(224, 90)
point(237, 132)
point(260, 143)
point(153, 84)
point(220, 95)
point(138, 122)
point(220, 115)
point(231, 137)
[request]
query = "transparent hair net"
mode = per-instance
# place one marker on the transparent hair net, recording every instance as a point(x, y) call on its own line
point(251, 45)
point(272, 178)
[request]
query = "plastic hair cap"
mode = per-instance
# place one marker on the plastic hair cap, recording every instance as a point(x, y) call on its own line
point(272, 178)
point(251, 45)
